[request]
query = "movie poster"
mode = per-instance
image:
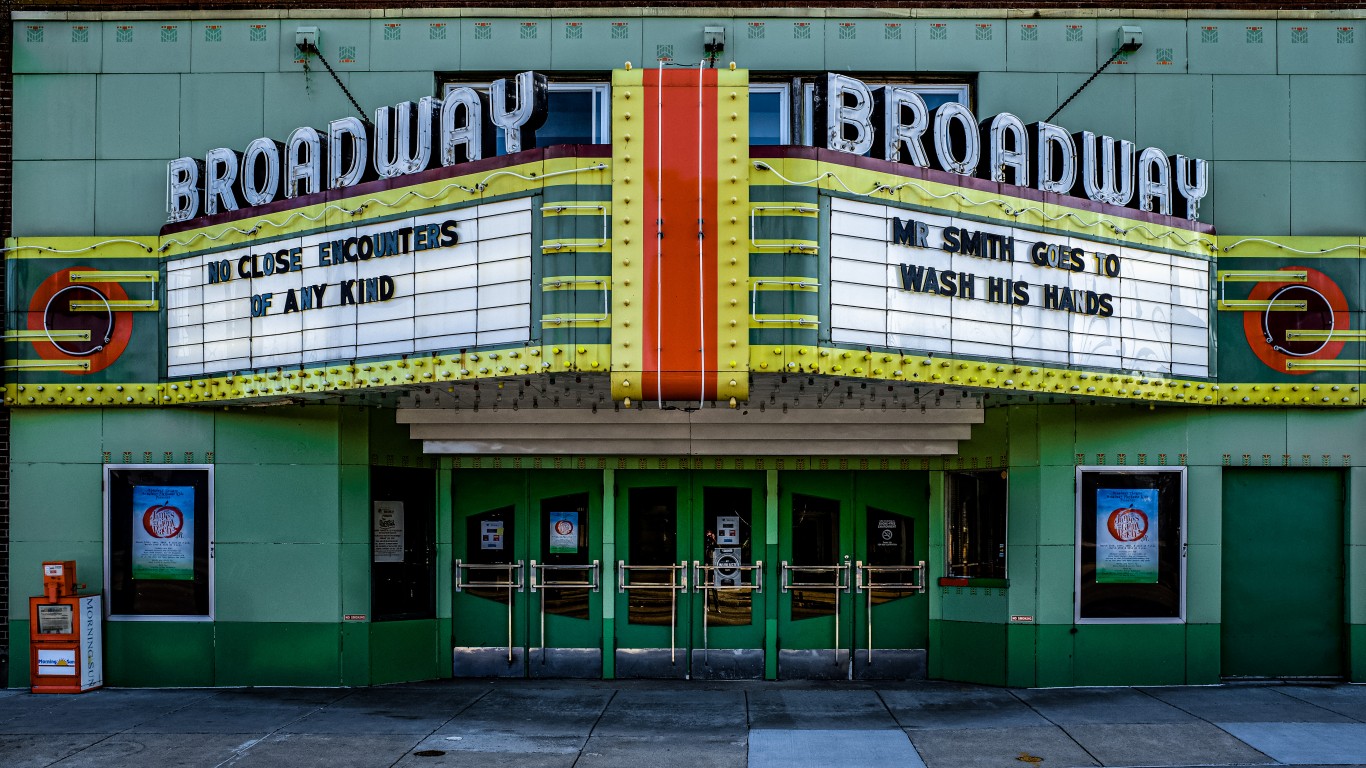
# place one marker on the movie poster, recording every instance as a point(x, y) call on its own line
point(163, 532)
point(1126, 536)
point(388, 532)
point(564, 533)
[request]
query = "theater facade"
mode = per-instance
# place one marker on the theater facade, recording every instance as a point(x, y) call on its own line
point(353, 347)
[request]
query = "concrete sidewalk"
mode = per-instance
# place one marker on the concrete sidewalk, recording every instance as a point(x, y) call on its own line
point(657, 724)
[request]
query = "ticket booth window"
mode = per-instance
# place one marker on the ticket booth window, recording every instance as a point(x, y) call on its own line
point(158, 529)
point(976, 524)
point(1131, 545)
point(403, 543)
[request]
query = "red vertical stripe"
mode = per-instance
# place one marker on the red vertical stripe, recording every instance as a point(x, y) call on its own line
point(679, 308)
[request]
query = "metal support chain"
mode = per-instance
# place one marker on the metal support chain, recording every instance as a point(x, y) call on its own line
point(308, 48)
point(1075, 93)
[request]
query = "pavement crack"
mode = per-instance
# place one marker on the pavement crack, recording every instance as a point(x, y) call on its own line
point(589, 737)
point(1057, 725)
point(444, 723)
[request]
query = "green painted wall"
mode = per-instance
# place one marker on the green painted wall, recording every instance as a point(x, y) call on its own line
point(291, 540)
point(1275, 103)
point(1047, 442)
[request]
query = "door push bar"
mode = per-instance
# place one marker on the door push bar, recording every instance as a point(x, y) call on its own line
point(703, 582)
point(544, 578)
point(678, 582)
point(917, 585)
point(512, 581)
point(834, 586)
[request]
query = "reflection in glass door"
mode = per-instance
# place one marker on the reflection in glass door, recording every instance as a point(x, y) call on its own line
point(566, 580)
point(489, 577)
point(652, 578)
point(728, 577)
point(815, 613)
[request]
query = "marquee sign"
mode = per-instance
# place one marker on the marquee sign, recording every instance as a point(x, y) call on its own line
point(906, 280)
point(459, 278)
point(893, 123)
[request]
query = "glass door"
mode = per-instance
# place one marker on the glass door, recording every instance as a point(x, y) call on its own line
point(815, 605)
point(653, 603)
point(565, 575)
point(891, 543)
point(728, 579)
point(489, 610)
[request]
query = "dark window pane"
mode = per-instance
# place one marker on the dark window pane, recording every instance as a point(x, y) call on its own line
point(403, 566)
point(815, 542)
point(977, 524)
point(653, 541)
point(765, 118)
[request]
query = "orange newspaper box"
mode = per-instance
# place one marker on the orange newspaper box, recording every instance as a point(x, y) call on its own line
point(66, 653)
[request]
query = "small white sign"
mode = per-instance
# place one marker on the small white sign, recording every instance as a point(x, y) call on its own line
point(388, 533)
point(57, 661)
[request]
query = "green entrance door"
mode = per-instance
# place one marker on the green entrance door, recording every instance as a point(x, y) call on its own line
point(687, 575)
point(527, 574)
point(851, 575)
point(1282, 574)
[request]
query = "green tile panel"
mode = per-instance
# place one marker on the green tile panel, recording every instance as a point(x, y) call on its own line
point(1027, 95)
point(773, 43)
point(130, 196)
point(578, 43)
point(1325, 117)
point(1154, 654)
point(250, 579)
point(1174, 112)
point(970, 45)
point(512, 44)
point(58, 503)
point(238, 45)
point(978, 655)
point(124, 131)
point(220, 110)
point(55, 198)
point(1251, 122)
point(1051, 45)
point(404, 651)
point(265, 503)
point(1322, 46)
point(55, 116)
point(146, 46)
point(1327, 197)
point(1057, 575)
point(159, 654)
point(300, 654)
point(1231, 45)
point(1202, 654)
point(55, 46)
point(872, 44)
point(401, 43)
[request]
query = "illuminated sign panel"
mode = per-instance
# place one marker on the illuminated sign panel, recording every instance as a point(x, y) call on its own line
point(458, 278)
point(902, 279)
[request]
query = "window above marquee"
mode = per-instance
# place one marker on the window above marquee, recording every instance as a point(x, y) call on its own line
point(576, 112)
point(775, 119)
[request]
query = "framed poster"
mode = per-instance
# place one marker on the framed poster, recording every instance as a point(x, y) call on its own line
point(564, 532)
point(1131, 536)
point(158, 529)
